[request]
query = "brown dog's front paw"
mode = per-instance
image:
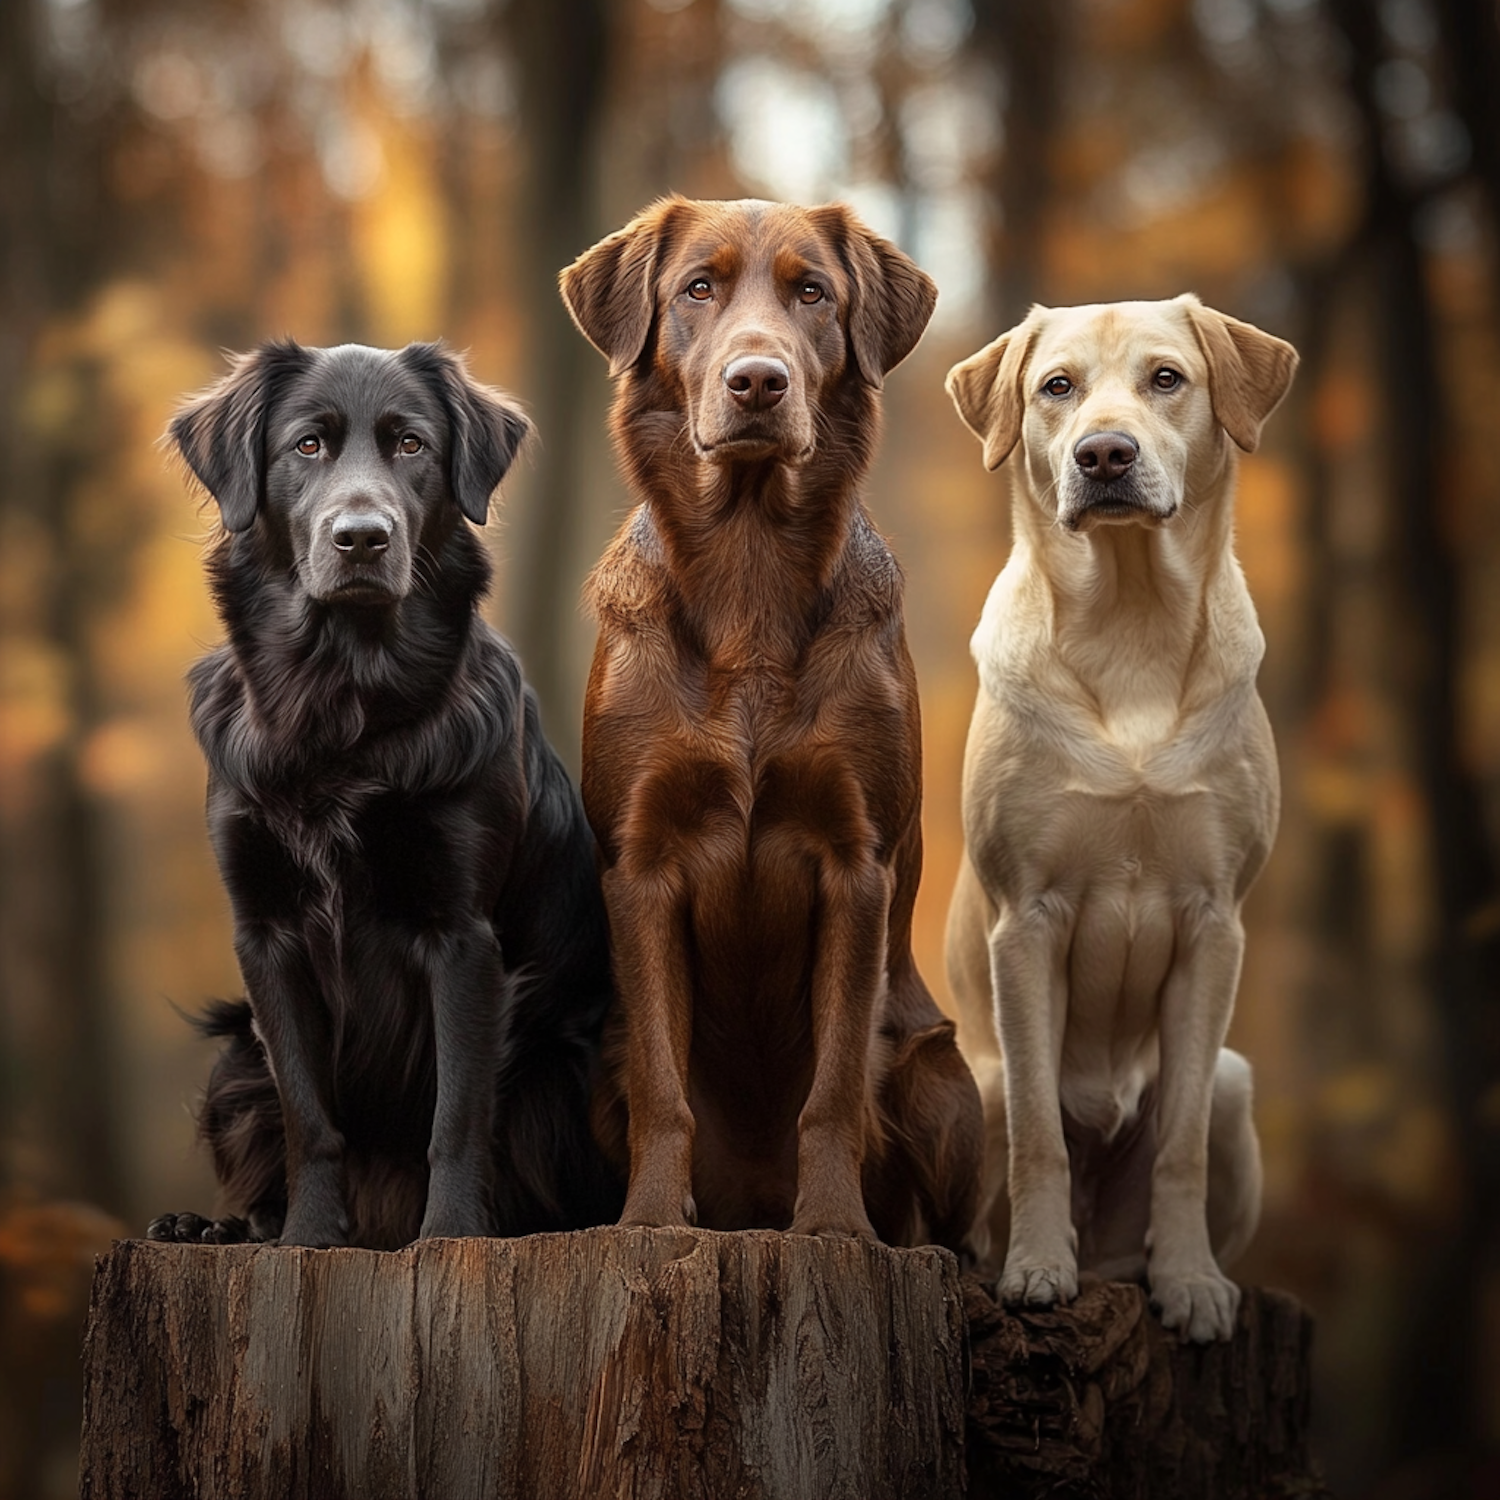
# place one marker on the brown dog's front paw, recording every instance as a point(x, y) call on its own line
point(833, 1220)
point(859, 1231)
point(655, 1211)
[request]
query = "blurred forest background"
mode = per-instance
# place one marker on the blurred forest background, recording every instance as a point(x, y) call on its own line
point(178, 177)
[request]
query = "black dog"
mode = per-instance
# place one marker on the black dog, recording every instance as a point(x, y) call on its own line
point(417, 912)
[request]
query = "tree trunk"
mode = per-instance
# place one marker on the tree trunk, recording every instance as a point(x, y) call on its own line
point(652, 1364)
point(633, 1363)
point(1097, 1401)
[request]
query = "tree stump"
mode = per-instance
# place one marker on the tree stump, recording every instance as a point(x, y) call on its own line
point(1096, 1401)
point(647, 1364)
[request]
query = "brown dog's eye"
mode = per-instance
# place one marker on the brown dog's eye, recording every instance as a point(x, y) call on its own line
point(411, 443)
point(700, 289)
point(1059, 385)
point(309, 446)
point(810, 292)
point(1166, 379)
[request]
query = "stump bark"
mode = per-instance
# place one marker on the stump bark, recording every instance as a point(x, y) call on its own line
point(622, 1364)
point(1096, 1401)
point(648, 1364)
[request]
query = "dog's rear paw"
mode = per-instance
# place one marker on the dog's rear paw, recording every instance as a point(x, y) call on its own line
point(194, 1229)
point(1201, 1306)
point(1035, 1284)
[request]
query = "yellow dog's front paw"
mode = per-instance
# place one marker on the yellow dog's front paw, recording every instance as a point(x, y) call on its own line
point(1201, 1306)
point(1038, 1283)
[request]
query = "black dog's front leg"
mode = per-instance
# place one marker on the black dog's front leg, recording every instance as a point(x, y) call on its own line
point(294, 1026)
point(469, 1002)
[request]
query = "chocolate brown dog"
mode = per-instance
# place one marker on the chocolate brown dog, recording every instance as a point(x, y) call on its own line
point(752, 754)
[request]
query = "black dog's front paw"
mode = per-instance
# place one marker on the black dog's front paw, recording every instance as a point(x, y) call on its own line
point(194, 1229)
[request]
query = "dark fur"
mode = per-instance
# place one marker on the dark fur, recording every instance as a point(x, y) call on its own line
point(413, 881)
point(752, 748)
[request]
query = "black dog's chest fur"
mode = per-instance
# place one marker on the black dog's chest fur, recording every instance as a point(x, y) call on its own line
point(360, 851)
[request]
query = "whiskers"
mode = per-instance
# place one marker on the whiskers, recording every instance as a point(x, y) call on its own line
point(424, 568)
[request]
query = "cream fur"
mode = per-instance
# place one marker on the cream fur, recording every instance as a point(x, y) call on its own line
point(1120, 796)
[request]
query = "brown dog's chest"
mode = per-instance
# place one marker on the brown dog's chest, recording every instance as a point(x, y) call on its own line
point(746, 765)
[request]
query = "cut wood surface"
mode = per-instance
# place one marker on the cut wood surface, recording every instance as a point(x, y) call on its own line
point(1096, 1401)
point(612, 1362)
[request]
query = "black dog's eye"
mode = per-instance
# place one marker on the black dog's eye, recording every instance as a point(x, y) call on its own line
point(309, 446)
point(700, 289)
point(810, 292)
point(411, 443)
point(1166, 379)
point(1059, 385)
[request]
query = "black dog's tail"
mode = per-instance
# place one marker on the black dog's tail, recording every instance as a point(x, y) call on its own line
point(227, 1018)
point(241, 1119)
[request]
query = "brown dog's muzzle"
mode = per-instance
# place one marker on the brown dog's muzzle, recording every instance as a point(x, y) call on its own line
point(757, 406)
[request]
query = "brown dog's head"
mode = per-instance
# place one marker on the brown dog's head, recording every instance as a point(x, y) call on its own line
point(745, 314)
point(1122, 410)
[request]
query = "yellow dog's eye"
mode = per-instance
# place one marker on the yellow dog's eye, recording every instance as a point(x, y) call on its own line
point(1059, 385)
point(810, 292)
point(700, 289)
point(1166, 379)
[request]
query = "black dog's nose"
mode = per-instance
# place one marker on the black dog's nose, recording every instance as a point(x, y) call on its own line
point(1105, 455)
point(362, 536)
point(756, 381)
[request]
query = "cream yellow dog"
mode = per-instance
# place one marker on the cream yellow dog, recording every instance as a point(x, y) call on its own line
point(1120, 796)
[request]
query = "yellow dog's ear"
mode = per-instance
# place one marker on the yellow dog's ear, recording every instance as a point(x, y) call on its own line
point(610, 290)
point(986, 389)
point(1249, 371)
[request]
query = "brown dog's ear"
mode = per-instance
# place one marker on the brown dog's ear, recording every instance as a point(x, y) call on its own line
point(1249, 371)
point(610, 290)
point(986, 389)
point(485, 430)
point(892, 297)
point(222, 432)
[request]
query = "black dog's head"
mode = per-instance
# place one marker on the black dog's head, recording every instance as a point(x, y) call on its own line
point(352, 459)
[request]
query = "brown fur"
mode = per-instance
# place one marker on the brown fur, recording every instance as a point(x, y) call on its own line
point(751, 742)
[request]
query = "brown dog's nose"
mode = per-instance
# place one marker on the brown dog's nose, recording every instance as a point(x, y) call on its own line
point(1105, 455)
point(365, 536)
point(756, 381)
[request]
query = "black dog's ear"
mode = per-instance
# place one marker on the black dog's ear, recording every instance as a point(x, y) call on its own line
point(610, 290)
point(891, 299)
point(221, 433)
point(485, 429)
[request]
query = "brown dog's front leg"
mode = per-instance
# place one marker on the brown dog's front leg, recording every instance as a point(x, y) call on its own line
point(647, 928)
point(848, 976)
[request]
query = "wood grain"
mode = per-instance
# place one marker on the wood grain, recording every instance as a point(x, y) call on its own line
point(644, 1364)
